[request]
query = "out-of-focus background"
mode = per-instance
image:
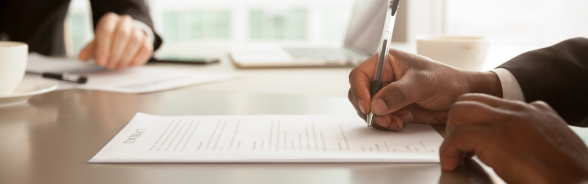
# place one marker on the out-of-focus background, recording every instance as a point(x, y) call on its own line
point(218, 23)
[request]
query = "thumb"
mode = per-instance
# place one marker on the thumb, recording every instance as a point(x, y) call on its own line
point(88, 51)
point(396, 96)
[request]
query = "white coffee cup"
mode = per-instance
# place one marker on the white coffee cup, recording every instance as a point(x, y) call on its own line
point(463, 52)
point(13, 63)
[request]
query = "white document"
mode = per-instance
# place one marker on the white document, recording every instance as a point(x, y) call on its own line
point(132, 80)
point(266, 138)
point(144, 80)
point(38, 63)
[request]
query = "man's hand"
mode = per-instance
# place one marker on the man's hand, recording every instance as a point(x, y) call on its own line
point(118, 43)
point(523, 143)
point(416, 89)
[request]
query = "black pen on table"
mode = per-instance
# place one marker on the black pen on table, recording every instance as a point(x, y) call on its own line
point(383, 49)
point(69, 77)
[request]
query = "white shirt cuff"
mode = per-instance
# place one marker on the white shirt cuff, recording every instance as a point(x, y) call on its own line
point(511, 89)
point(148, 31)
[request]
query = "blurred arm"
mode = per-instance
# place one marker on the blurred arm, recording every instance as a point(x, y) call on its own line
point(137, 9)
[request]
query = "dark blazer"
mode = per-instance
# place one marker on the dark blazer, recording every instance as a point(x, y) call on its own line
point(557, 75)
point(39, 23)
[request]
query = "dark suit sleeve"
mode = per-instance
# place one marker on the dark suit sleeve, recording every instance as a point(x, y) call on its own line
point(557, 75)
point(135, 8)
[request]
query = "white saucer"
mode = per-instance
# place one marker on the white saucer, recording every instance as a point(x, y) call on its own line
point(25, 90)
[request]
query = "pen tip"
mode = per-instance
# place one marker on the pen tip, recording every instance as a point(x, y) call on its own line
point(369, 119)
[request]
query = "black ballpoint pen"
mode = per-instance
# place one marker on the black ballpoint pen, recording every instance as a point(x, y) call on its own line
point(80, 79)
point(383, 52)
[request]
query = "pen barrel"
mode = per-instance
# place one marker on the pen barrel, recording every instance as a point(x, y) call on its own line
point(67, 77)
point(52, 75)
point(387, 32)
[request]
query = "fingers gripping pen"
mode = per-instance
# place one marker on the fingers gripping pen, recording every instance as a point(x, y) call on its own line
point(383, 51)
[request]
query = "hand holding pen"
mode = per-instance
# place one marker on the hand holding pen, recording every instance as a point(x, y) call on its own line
point(359, 94)
point(414, 89)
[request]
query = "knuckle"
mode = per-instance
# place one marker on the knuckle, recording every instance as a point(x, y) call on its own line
point(126, 17)
point(107, 30)
point(464, 97)
point(457, 111)
point(124, 33)
point(353, 74)
point(467, 96)
point(454, 108)
point(519, 106)
point(540, 105)
point(111, 15)
point(461, 106)
point(466, 110)
point(136, 39)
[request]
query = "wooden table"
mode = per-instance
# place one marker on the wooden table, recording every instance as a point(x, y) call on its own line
point(51, 139)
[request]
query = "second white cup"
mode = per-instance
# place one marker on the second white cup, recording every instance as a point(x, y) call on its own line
point(463, 52)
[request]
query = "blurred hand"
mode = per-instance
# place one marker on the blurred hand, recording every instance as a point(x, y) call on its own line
point(118, 43)
point(523, 143)
point(416, 89)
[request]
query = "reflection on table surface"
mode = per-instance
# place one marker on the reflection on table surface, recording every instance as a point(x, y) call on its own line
point(51, 139)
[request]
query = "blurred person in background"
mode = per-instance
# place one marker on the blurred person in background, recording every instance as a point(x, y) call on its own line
point(123, 29)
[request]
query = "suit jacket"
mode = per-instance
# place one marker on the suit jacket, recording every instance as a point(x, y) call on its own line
point(557, 75)
point(39, 23)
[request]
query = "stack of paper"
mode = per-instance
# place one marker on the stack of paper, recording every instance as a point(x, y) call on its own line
point(266, 138)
